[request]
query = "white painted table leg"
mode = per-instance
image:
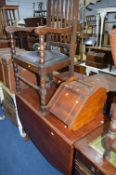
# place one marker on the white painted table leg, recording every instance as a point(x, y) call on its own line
point(97, 28)
point(90, 69)
point(102, 16)
point(1, 100)
point(20, 127)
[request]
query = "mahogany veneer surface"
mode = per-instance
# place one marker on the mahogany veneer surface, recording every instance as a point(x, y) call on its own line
point(53, 139)
point(7, 73)
point(4, 43)
point(88, 158)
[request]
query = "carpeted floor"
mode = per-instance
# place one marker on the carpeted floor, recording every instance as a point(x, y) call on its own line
point(18, 157)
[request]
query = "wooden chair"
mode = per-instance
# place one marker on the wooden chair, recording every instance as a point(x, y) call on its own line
point(9, 15)
point(59, 32)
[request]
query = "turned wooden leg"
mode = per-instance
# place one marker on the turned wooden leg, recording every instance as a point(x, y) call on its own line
point(43, 93)
point(15, 66)
point(42, 73)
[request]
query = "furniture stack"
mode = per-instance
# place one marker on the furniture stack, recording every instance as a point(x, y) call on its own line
point(57, 114)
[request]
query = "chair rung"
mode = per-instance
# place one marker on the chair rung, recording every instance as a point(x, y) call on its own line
point(28, 83)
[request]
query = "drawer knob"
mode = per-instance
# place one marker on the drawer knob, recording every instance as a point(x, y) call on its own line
point(66, 94)
point(29, 66)
point(52, 133)
point(65, 126)
point(76, 101)
point(102, 122)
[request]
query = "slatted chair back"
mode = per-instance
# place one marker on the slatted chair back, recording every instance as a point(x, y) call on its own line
point(9, 15)
point(62, 14)
point(60, 31)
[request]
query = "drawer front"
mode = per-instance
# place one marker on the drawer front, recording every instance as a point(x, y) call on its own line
point(84, 167)
point(81, 169)
point(4, 44)
point(27, 66)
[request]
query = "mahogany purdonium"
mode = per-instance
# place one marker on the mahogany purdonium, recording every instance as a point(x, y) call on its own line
point(77, 103)
point(89, 154)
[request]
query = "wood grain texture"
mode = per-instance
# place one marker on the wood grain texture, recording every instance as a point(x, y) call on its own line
point(89, 158)
point(99, 58)
point(4, 43)
point(77, 103)
point(7, 72)
point(50, 135)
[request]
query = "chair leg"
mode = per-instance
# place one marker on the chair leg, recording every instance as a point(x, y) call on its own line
point(16, 78)
point(15, 67)
point(43, 92)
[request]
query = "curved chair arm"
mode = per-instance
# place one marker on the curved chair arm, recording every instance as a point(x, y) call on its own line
point(41, 30)
point(13, 29)
point(45, 30)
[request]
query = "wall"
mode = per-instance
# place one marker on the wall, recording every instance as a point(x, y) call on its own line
point(25, 6)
